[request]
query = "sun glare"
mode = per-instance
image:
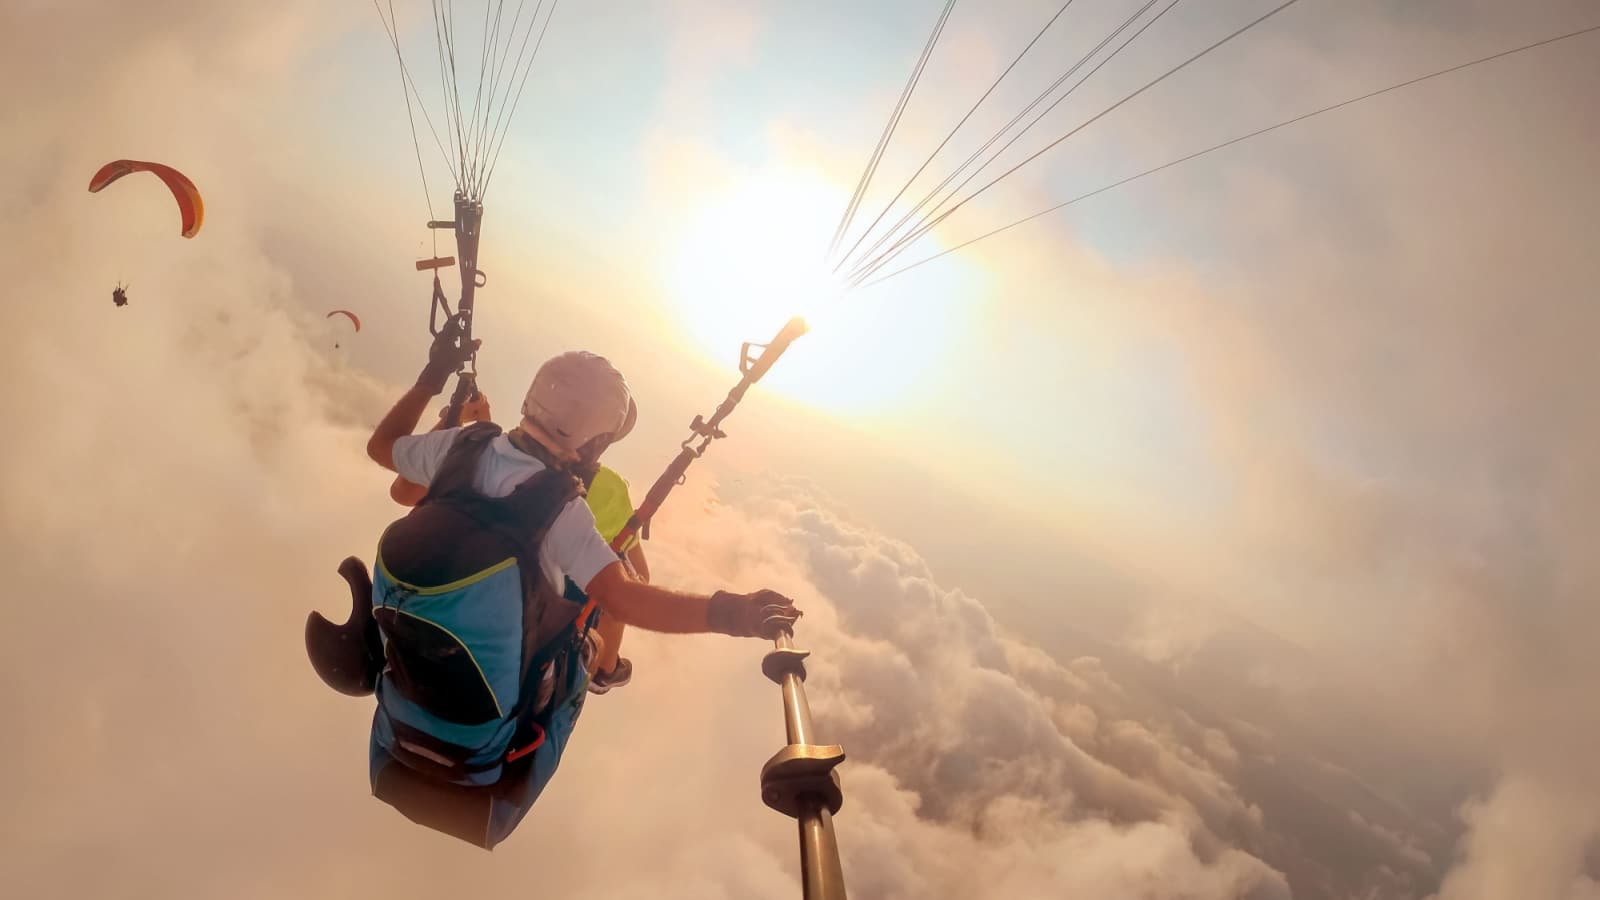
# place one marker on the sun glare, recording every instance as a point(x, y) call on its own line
point(754, 257)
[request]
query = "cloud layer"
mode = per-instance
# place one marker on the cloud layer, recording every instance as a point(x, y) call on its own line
point(1344, 652)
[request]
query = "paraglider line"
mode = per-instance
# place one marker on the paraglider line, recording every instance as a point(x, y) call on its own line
point(1229, 143)
point(495, 135)
point(495, 156)
point(405, 78)
point(452, 112)
point(492, 59)
point(483, 64)
point(1082, 61)
point(444, 32)
point(391, 28)
point(501, 53)
point(448, 19)
point(947, 138)
point(491, 124)
point(888, 130)
point(885, 258)
point(443, 90)
point(930, 221)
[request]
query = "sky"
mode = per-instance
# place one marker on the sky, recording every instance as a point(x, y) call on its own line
point(1220, 536)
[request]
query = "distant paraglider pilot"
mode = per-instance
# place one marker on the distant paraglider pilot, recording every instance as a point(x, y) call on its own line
point(349, 315)
point(119, 294)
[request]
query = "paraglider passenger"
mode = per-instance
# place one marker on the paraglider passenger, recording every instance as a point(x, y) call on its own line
point(485, 665)
point(606, 494)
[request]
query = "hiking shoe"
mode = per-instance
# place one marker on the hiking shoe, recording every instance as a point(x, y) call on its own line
point(619, 675)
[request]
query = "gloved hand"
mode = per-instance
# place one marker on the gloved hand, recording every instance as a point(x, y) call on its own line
point(445, 358)
point(763, 614)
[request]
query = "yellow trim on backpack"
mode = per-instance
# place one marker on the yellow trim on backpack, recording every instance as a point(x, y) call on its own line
point(456, 585)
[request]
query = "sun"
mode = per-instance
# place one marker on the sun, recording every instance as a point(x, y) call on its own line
point(754, 256)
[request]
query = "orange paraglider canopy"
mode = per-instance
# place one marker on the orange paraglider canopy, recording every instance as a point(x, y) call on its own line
point(183, 190)
point(345, 312)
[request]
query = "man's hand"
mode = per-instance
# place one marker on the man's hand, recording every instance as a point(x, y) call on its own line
point(763, 614)
point(445, 358)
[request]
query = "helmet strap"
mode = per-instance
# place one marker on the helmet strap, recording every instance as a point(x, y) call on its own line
point(532, 446)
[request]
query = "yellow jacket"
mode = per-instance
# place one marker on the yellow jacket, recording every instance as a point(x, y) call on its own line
point(612, 507)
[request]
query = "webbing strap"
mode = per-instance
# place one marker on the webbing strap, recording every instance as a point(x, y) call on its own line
point(455, 475)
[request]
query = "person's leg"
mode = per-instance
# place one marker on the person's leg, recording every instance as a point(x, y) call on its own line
point(610, 629)
point(619, 671)
point(603, 665)
point(594, 650)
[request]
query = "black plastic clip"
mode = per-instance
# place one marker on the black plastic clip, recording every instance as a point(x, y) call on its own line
point(799, 771)
point(699, 426)
point(784, 661)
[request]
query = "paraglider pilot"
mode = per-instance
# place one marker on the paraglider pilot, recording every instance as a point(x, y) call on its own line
point(480, 664)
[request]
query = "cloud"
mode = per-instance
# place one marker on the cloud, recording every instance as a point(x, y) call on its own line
point(182, 495)
point(1379, 353)
point(1385, 611)
point(965, 729)
point(1526, 839)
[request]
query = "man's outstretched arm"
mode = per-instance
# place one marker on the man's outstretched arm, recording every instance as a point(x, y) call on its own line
point(760, 614)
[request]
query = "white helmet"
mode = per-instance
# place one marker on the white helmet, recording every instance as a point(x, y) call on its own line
point(577, 397)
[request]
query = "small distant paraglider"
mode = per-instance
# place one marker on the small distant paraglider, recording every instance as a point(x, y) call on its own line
point(354, 320)
point(191, 207)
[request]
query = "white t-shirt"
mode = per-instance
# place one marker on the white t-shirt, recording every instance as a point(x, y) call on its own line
point(572, 548)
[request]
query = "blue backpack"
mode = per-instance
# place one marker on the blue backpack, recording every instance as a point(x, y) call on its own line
point(482, 673)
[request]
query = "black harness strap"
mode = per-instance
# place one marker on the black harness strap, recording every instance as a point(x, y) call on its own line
point(455, 475)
